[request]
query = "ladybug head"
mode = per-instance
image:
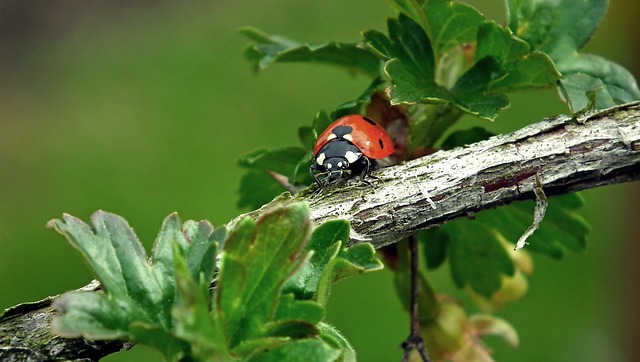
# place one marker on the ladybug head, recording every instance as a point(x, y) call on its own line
point(336, 159)
point(336, 168)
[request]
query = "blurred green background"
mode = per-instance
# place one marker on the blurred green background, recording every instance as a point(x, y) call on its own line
point(142, 109)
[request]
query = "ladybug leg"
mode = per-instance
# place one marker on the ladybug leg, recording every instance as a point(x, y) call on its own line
point(366, 171)
point(315, 178)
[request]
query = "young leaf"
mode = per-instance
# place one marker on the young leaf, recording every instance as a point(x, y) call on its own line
point(252, 319)
point(330, 262)
point(325, 244)
point(249, 281)
point(524, 68)
point(272, 48)
point(139, 293)
point(120, 264)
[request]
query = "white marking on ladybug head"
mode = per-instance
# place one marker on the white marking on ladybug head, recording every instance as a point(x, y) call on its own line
point(331, 136)
point(320, 158)
point(329, 166)
point(340, 164)
point(352, 156)
point(348, 137)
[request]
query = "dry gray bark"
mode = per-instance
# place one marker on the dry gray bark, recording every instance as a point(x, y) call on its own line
point(565, 154)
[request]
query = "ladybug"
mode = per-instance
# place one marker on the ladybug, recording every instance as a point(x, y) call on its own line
point(349, 147)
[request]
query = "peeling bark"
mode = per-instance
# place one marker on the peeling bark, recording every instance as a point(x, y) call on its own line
point(564, 153)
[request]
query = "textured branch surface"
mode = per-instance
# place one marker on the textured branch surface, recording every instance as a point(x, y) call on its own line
point(566, 154)
point(25, 335)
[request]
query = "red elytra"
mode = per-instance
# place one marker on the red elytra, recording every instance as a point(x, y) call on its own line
point(368, 136)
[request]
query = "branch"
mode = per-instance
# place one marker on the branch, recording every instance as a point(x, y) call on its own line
point(25, 335)
point(566, 154)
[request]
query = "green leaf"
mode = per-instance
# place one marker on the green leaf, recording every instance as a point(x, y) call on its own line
point(307, 136)
point(473, 94)
point(330, 262)
point(159, 338)
point(292, 309)
point(194, 323)
point(411, 69)
point(524, 68)
point(580, 92)
point(91, 316)
point(561, 29)
point(282, 161)
point(321, 121)
point(258, 257)
point(407, 42)
point(311, 350)
point(119, 261)
point(202, 247)
point(257, 187)
point(325, 243)
point(436, 244)
point(556, 27)
point(270, 49)
point(451, 24)
point(476, 256)
point(562, 228)
point(334, 338)
point(139, 294)
point(591, 80)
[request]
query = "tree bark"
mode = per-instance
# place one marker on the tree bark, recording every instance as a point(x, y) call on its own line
point(566, 154)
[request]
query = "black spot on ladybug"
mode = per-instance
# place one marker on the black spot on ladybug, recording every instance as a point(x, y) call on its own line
point(370, 121)
point(341, 131)
point(380, 143)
